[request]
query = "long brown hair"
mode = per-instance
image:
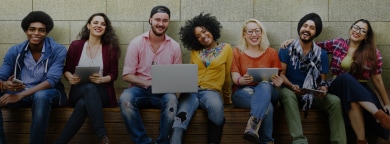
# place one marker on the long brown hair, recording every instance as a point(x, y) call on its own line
point(365, 58)
point(109, 37)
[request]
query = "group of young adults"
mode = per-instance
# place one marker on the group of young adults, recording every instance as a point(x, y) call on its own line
point(350, 103)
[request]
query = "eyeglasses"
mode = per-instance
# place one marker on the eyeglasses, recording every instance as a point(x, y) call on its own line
point(250, 31)
point(358, 29)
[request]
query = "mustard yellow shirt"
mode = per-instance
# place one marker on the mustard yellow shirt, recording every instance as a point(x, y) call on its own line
point(217, 75)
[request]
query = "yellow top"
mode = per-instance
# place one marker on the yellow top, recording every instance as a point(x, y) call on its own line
point(217, 75)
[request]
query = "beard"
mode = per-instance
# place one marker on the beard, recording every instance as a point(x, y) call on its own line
point(306, 40)
point(154, 30)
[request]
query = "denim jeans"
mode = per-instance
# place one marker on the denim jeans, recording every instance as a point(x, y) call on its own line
point(135, 98)
point(259, 99)
point(88, 100)
point(330, 104)
point(40, 103)
point(208, 100)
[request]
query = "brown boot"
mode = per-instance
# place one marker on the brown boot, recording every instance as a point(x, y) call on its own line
point(361, 141)
point(251, 129)
point(383, 119)
point(104, 140)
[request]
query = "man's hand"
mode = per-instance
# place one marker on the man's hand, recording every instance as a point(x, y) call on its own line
point(9, 98)
point(321, 94)
point(277, 80)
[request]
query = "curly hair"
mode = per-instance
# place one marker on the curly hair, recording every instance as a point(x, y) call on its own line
point(109, 37)
point(207, 21)
point(37, 16)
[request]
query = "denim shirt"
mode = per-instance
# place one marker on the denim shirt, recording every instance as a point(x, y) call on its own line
point(53, 59)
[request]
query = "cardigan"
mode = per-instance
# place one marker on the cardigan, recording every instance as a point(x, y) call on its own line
point(217, 75)
point(110, 65)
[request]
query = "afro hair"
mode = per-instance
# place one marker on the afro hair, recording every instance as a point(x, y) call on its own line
point(207, 21)
point(37, 16)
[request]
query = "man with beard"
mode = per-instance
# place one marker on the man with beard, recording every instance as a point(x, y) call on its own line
point(152, 47)
point(304, 66)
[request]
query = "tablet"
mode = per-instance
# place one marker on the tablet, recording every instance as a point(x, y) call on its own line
point(262, 74)
point(85, 71)
point(312, 90)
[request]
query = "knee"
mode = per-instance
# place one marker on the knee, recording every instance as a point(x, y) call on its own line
point(169, 99)
point(334, 101)
point(42, 97)
point(126, 99)
point(264, 86)
point(288, 96)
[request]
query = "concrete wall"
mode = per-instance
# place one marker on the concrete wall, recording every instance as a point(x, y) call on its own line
point(130, 18)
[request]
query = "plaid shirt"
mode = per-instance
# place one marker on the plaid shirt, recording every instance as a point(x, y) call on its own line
point(339, 48)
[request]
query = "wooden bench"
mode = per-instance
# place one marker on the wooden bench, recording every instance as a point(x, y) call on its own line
point(17, 126)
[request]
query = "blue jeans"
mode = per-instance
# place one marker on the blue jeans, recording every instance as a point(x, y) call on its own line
point(208, 100)
point(88, 99)
point(135, 98)
point(40, 103)
point(259, 99)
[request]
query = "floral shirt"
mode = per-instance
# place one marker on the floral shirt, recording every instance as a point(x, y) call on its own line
point(339, 48)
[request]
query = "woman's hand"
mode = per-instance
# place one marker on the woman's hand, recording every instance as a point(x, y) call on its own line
point(73, 79)
point(96, 78)
point(286, 43)
point(387, 108)
point(245, 79)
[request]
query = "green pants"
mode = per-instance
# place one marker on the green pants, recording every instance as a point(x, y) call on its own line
point(330, 104)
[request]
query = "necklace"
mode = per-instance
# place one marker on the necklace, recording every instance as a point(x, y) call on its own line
point(95, 53)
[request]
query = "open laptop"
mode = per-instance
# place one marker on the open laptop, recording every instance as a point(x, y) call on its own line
point(262, 74)
point(85, 71)
point(174, 78)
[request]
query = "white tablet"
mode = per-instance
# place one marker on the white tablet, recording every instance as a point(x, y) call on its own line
point(262, 74)
point(85, 71)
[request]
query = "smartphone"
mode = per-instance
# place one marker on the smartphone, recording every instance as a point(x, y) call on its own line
point(15, 80)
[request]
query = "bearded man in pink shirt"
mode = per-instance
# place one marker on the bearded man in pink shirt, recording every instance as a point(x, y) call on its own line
point(152, 47)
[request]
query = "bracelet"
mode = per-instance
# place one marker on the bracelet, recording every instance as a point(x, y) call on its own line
point(238, 81)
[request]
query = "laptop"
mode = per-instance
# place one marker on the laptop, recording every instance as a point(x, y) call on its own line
point(85, 71)
point(262, 74)
point(174, 78)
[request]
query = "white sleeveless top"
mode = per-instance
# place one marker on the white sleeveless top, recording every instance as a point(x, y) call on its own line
point(87, 61)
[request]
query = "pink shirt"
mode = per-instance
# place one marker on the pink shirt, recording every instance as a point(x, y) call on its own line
point(140, 56)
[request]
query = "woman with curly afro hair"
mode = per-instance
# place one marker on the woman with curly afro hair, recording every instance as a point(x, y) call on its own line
point(214, 60)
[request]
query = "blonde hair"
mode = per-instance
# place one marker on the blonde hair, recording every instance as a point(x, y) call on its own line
point(264, 42)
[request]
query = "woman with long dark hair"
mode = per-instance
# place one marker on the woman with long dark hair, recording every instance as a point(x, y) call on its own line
point(98, 46)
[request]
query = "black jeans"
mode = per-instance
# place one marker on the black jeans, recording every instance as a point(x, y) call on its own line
point(88, 99)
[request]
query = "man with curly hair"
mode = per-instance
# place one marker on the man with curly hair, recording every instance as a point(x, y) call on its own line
point(152, 47)
point(31, 75)
point(199, 35)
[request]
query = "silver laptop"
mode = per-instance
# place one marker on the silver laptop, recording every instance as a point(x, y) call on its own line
point(174, 78)
point(262, 74)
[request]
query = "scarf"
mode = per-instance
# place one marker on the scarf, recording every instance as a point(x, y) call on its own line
point(311, 63)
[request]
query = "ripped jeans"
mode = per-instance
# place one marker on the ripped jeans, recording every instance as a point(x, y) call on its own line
point(208, 100)
point(135, 98)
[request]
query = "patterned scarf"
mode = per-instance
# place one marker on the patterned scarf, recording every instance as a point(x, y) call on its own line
point(311, 63)
point(207, 55)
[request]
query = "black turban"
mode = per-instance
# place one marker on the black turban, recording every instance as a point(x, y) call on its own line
point(315, 18)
